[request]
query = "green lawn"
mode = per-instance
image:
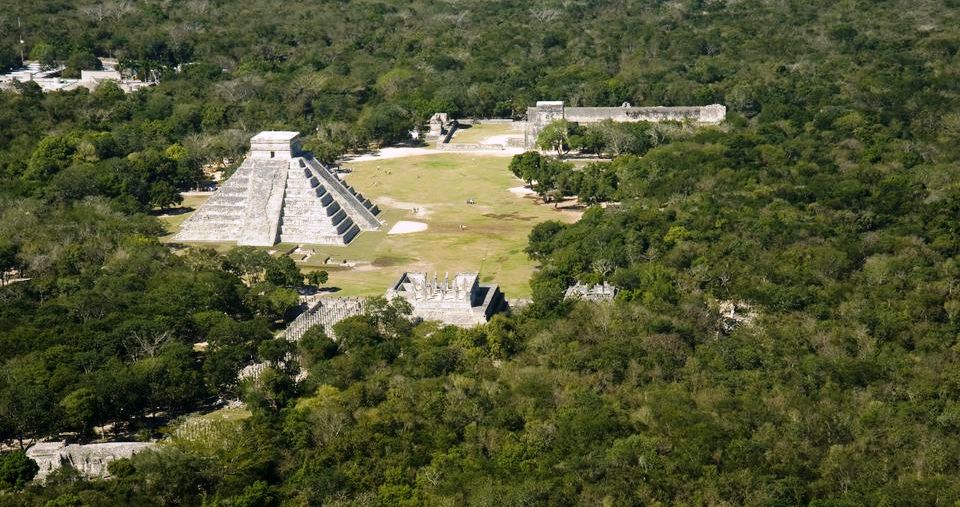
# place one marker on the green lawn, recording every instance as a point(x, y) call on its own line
point(478, 133)
point(172, 218)
point(223, 414)
point(492, 240)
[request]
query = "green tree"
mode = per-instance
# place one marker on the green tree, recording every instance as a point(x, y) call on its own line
point(315, 346)
point(26, 403)
point(45, 54)
point(163, 195)
point(392, 317)
point(80, 409)
point(52, 155)
point(526, 166)
point(283, 272)
point(540, 242)
point(276, 352)
point(555, 136)
point(8, 254)
point(273, 302)
point(548, 291)
point(317, 277)
point(16, 470)
point(9, 58)
point(81, 60)
point(386, 123)
point(248, 263)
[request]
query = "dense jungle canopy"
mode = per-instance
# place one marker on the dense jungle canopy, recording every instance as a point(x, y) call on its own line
point(827, 204)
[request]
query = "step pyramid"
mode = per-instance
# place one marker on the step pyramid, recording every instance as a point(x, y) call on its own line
point(281, 194)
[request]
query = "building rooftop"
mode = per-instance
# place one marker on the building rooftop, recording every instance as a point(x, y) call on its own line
point(274, 136)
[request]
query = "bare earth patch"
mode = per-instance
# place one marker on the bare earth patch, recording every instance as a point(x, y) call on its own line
point(521, 191)
point(499, 139)
point(418, 210)
point(405, 227)
point(391, 153)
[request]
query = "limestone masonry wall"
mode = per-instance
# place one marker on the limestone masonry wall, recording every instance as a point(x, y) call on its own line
point(327, 313)
point(90, 460)
point(470, 147)
point(460, 301)
point(264, 202)
point(548, 111)
point(363, 212)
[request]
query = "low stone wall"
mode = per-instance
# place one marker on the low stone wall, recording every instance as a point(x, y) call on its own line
point(471, 147)
point(630, 114)
point(517, 303)
point(90, 460)
point(548, 111)
point(495, 121)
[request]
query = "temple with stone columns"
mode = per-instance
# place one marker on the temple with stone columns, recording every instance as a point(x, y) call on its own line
point(459, 301)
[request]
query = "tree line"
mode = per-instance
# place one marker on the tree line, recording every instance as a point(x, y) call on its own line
point(826, 202)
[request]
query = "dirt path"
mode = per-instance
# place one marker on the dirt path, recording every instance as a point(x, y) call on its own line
point(388, 153)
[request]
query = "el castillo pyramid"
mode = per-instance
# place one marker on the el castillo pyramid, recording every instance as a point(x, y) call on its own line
point(280, 194)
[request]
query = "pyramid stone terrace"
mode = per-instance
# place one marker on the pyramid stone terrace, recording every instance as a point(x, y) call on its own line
point(281, 194)
point(460, 301)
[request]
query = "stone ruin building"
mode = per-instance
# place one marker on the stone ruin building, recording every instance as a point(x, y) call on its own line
point(598, 292)
point(281, 194)
point(327, 312)
point(90, 460)
point(733, 314)
point(460, 301)
point(440, 125)
point(49, 79)
point(547, 111)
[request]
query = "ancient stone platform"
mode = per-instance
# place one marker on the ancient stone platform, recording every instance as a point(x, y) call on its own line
point(90, 460)
point(327, 312)
point(460, 301)
point(281, 194)
point(547, 111)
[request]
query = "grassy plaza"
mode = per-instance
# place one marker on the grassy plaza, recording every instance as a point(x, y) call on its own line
point(474, 223)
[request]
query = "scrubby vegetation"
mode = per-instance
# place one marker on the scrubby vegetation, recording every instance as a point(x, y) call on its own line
point(827, 203)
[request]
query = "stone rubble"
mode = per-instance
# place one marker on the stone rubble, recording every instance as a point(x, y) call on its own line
point(598, 292)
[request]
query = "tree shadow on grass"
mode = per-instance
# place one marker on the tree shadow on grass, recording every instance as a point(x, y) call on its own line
point(169, 212)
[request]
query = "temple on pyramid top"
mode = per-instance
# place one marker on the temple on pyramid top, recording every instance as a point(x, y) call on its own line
point(281, 194)
point(279, 144)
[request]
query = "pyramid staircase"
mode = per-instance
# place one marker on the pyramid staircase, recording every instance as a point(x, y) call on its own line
point(311, 214)
point(290, 198)
point(222, 216)
point(360, 208)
